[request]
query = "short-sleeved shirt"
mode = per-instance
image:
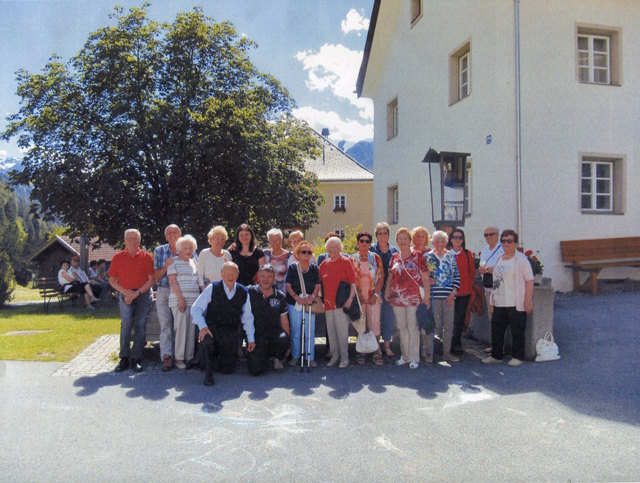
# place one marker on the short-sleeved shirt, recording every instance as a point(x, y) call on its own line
point(248, 265)
point(267, 311)
point(311, 279)
point(210, 266)
point(187, 277)
point(332, 272)
point(131, 272)
point(280, 265)
point(407, 279)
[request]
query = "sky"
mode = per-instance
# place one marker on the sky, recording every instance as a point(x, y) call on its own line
point(313, 47)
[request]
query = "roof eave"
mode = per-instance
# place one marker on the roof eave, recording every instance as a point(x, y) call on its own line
point(367, 48)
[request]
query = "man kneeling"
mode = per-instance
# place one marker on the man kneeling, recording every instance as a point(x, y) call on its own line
point(269, 308)
point(218, 313)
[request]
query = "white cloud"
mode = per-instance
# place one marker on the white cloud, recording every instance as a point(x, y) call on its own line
point(3, 155)
point(351, 131)
point(354, 22)
point(335, 68)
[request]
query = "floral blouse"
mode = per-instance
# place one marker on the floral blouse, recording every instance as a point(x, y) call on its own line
point(444, 271)
point(407, 279)
point(374, 273)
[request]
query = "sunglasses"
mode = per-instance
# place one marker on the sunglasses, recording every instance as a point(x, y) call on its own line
point(364, 240)
point(305, 252)
point(490, 234)
point(507, 241)
point(457, 237)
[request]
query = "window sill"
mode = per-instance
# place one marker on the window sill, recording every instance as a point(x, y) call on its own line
point(597, 212)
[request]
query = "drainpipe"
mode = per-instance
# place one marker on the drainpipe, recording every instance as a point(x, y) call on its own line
point(518, 124)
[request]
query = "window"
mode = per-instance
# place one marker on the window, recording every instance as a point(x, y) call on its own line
point(593, 59)
point(339, 202)
point(599, 56)
point(340, 232)
point(463, 78)
point(416, 11)
point(392, 119)
point(601, 185)
point(460, 73)
point(393, 205)
point(467, 189)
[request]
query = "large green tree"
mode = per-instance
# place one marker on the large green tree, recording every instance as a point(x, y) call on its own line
point(155, 123)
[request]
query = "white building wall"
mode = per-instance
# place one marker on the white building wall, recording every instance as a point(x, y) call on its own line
point(560, 117)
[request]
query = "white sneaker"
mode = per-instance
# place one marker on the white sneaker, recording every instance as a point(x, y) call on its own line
point(401, 362)
point(333, 361)
point(514, 362)
point(414, 365)
point(491, 360)
point(294, 362)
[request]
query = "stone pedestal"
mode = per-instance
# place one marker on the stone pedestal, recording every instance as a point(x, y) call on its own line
point(538, 323)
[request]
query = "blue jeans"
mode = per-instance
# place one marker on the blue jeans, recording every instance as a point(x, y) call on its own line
point(134, 316)
point(295, 321)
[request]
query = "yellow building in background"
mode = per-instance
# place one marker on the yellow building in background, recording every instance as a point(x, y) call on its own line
point(347, 187)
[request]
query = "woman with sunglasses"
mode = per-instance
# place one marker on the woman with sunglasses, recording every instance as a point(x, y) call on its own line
point(467, 271)
point(512, 300)
point(369, 280)
point(299, 300)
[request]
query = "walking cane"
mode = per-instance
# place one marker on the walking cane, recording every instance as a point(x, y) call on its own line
point(309, 342)
point(302, 342)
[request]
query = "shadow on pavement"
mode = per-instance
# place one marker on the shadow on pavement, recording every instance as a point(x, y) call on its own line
point(597, 375)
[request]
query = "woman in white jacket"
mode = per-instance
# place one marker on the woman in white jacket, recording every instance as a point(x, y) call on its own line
point(512, 299)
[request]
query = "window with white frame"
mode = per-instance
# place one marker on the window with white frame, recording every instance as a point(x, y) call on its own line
point(393, 205)
point(339, 202)
point(602, 184)
point(340, 232)
point(598, 55)
point(460, 73)
point(392, 119)
point(463, 77)
point(593, 59)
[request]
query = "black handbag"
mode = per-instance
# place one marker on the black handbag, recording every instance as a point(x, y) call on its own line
point(487, 280)
point(426, 320)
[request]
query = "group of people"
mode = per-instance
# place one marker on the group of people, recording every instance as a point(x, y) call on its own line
point(215, 300)
point(73, 279)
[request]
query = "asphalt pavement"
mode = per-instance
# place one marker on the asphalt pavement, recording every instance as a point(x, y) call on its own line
point(573, 419)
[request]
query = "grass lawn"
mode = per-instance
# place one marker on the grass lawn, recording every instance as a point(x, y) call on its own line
point(25, 294)
point(64, 334)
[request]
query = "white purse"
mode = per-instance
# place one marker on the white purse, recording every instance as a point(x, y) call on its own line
point(547, 349)
point(366, 343)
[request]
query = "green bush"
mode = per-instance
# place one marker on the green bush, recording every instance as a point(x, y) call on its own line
point(349, 242)
point(6, 279)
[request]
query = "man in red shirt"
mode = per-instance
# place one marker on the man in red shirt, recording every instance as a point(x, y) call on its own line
point(131, 274)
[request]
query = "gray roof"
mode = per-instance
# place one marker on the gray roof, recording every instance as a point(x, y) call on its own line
point(334, 164)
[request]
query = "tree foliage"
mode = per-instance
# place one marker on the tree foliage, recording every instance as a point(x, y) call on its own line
point(151, 124)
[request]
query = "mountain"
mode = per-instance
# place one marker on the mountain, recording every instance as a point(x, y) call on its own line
point(362, 151)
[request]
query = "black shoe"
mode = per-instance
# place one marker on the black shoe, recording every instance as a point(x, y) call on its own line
point(136, 365)
point(123, 365)
point(208, 380)
point(457, 351)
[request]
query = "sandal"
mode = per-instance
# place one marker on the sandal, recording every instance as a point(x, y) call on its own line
point(388, 352)
point(166, 363)
point(361, 359)
point(377, 359)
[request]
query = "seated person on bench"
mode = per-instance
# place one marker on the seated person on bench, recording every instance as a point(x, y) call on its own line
point(70, 284)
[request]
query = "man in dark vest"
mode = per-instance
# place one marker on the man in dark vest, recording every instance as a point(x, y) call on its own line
point(218, 313)
point(271, 322)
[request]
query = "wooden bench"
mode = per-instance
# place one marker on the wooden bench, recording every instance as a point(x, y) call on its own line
point(592, 256)
point(49, 288)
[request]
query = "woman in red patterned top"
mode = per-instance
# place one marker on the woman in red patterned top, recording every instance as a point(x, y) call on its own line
point(408, 274)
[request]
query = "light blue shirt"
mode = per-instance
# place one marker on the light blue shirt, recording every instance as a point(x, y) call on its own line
point(199, 309)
